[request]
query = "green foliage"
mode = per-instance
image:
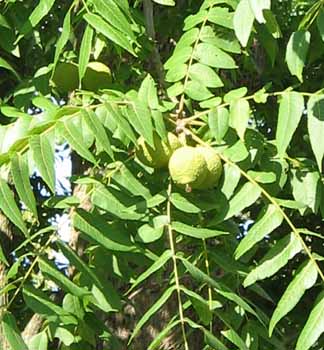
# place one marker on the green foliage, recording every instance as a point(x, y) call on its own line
point(236, 264)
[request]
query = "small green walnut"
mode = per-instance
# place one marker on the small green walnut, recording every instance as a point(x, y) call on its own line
point(157, 157)
point(97, 76)
point(188, 167)
point(66, 77)
point(214, 166)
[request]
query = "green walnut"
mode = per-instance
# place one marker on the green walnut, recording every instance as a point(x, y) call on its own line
point(157, 157)
point(97, 76)
point(66, 77)
point(214, 166)
point(188, 167)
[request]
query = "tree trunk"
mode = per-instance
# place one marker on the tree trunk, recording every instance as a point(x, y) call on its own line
point(6, 239)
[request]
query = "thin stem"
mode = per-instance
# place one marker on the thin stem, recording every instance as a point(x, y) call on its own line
point(271, 200)
point(181, 103)
point(210, 295)
point(30, 270)
point(175, 269)
point(189, 120)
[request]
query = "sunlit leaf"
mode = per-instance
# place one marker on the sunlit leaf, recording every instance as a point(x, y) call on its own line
point(276, 258)
point(304, 279)
point(314, 326)
point(296, 53)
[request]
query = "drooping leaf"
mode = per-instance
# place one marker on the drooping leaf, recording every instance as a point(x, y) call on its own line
point(20, 174)
point(59, 278)
point(38, 341)
point(97, 128)
point(85, 51)
point(304, 279)
point(40, 303)
point(234, 338)
point(231, 178)
point(245, 197)
point(141, 119)
point(125, 178)
point(269, 220)
point(210, 339)
point(235, 94)
point(73, 136)
point(120, 121)
point(63, 39)
point(315, 122)
point(157, 265)
point(320, 22)
point(148, 92)
point(184, 204)
point(314, 326)
point(152, 310)
point(109, 31)
point(107, 235)
point(276, 258)
point(103, 198)
point(218, 121)
point(195, 232)
point(197, 91)
point(205, 75)
point(290, 112)
point(39, 12)
point(4, 64)
point(221, 16)
point(163, 334)
point(165, 2)
point(296, 53)
point(42, 148)
point(257, 7)
point(212, 56)
point(243, 21)
point(306, 188)
point(9, 207)
point(239, 116)
point(109, 10)
point(12, 333)
point(223, 290)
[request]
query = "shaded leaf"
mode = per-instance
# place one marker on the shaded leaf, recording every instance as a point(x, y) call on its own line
point(12, 333)
point(195, 232)
point(58, 277)
point(107, 235)
point(39, 12)
point(315, 111)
